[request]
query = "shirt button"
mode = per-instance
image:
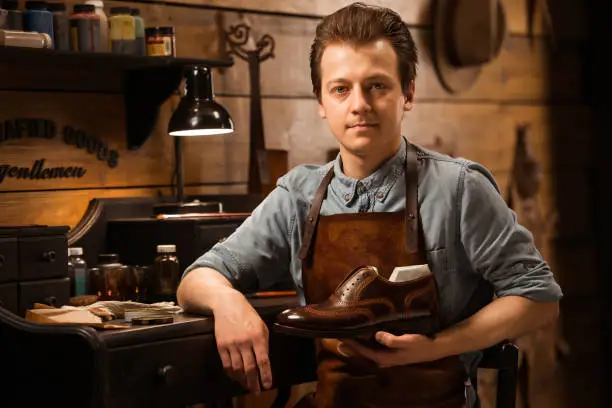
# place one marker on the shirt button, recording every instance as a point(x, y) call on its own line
point(347, 197)
point(379, 195)
point(361, 188)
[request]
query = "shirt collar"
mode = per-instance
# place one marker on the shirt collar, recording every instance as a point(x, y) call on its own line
point(379, 182)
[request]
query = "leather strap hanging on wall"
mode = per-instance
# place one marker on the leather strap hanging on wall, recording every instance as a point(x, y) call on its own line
point(525, 172)
point(259, 167)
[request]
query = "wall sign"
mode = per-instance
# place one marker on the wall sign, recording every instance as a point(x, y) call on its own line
point(40, 172)
point(47, 129)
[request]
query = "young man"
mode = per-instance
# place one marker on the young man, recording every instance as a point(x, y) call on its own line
point(363, 67)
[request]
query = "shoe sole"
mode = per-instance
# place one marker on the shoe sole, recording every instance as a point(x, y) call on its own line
point(418, 325)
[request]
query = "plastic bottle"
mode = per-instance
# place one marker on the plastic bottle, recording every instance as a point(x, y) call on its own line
point(14, 17)
point(122, 30)
point(84, 28)
point(140, 48)
point(104, 40)
point(3, 15)
point(79, 268)
point(166, 273)
point(38, 18)
point(61, 27)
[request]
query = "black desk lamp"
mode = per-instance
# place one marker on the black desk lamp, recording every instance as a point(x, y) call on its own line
point(197, 115)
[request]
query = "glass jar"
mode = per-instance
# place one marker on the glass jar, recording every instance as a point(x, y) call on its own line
point(38, 18)
point(84, 28)
point(139, 25)
point(166, 274)
point(114, 274)
point(61, 26)
point(161, 41)
point(122, 30)
point(99, 11)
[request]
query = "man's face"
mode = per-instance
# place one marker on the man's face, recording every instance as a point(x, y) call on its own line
point(361, 96)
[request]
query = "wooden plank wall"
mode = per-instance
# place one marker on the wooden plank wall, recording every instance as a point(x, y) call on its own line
point(527, 83)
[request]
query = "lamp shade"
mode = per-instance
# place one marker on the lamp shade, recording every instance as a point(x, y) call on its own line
point(198, 114)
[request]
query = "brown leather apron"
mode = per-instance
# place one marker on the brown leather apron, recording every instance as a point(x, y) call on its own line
point(333, 246)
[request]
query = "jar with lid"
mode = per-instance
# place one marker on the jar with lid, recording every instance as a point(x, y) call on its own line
point(166, 274)
point(78, 271)
point(139, 26)
point(99, 10)
point(84, 28)
point(14, 16)
point(122, 30)
point(38, 18)
point(3, 16)
point(61, 27)
point(161, 41)
point(114, 274)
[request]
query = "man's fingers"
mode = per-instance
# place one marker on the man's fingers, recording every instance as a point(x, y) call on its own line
point(226, 360)
point(387, 339)
point(250, 369)
point(263, 362)
point(237, 368)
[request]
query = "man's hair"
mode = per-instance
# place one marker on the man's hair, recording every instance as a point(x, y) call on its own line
point(359, 24)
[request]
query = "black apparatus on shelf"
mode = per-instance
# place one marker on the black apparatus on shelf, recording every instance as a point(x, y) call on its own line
point(145, 82)
point(198, 114)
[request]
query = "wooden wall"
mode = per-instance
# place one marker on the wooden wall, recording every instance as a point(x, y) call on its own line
point(530, 82)
point(527, 83)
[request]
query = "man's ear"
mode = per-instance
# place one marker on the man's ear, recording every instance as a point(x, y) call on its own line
point(322, 111)
point(409, 97)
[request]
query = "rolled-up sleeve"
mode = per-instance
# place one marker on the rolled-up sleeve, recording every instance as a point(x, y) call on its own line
point(257, 254)
point(498, 247)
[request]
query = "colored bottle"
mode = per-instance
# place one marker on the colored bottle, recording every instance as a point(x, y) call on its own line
point(3, 16)
point(38, 18)
point(166, 273)
point(104, 40)
point(78, 270)
point(14, 16)
point(61, 26)
point(139, 25)
point(122, 31)
point(84, 28)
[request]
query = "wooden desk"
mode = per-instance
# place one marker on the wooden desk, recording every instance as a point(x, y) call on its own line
point(172, 365)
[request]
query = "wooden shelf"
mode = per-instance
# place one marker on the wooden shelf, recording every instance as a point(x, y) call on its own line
point(144, 81)
point(18, 55)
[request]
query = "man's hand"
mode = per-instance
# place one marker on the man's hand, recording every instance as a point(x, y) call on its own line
point(401, 350)
point(242, 341)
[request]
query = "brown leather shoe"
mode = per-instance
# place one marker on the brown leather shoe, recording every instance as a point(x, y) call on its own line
point(365, 303)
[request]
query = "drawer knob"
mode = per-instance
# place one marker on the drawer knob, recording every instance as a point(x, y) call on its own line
point(166, 374)
point(49, 256)
point(2, 260)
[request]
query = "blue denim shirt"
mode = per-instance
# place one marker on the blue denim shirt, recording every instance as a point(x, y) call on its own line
point(472, 239)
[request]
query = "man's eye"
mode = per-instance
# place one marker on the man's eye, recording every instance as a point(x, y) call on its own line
point(339, 90)
point(378, 86)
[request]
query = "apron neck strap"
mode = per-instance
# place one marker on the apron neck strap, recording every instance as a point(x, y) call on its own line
point(411, 216)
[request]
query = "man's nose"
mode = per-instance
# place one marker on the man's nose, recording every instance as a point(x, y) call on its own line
point(360, 102)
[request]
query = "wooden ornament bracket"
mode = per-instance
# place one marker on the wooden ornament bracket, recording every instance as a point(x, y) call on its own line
point(237, 37)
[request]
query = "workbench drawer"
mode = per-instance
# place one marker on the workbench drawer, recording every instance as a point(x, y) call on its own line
point(52, 292)
point(43, 257)
point(8, 297)
point(8, 259)
point(173, 373)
